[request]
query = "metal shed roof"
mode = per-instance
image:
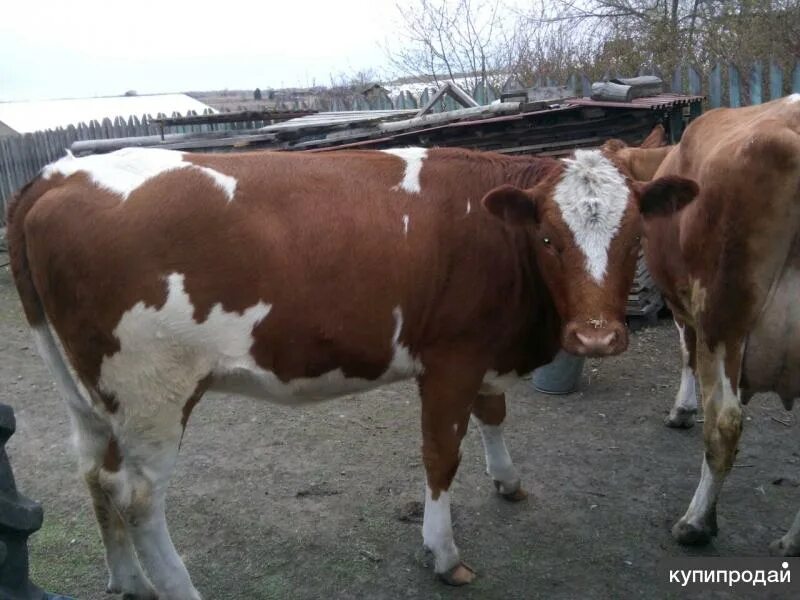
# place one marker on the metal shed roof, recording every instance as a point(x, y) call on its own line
point(26, 117)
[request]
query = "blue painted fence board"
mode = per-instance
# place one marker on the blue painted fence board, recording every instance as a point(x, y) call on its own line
point(715, 87)
point(796, 78)
point(734, 87)
point(775, 80)
point(677, 81)
point(695, 86)
point(586, 86)
point(756, 85)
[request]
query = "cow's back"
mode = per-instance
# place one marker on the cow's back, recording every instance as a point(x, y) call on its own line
point(336, 263)
point(738, 235)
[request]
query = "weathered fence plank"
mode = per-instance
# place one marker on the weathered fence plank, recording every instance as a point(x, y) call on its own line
point(796, 78)
point(775, 80)
point(756, 79)
point(734, 87)
point(695, 83)
point(715, 87)
point(676, 86)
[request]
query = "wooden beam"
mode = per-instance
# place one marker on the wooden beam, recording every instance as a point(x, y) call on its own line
point(454, 92)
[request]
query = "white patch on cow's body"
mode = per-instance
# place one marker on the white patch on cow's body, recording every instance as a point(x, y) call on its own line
point(592, 195)
point(437, 531)
point(498, 461)
point(123, 171)
point(405, 224)
point(164, 353)
point(494, 383)
point(413, 158)
point(793, 98)
point(469, 207)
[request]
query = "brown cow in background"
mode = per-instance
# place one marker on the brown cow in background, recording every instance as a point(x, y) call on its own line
point(729, 267)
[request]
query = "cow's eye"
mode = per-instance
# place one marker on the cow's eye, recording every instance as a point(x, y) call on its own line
point(546, 241)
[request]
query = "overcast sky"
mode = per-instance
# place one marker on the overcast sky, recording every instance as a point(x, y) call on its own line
point(79, 48)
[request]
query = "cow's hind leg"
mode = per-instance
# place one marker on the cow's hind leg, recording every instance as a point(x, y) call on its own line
point(97, 452)
point(719, 378)
point(489, 412)
point(148, 449)
point(684, 410)
point(447, 393)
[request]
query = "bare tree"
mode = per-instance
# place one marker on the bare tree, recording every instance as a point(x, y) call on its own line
point(480, 40)
point(455, 39)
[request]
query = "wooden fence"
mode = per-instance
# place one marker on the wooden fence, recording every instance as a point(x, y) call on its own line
point(21, 157)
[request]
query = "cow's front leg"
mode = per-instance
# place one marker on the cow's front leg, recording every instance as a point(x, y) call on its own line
point(684, 410)
point(719, 379)
point(489, 412)
point(447, 393)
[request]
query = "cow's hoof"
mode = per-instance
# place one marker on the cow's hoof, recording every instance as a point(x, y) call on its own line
point(781, 548)
point(692, 535)
point(461, 574)
point(134, 591)
point(512, 493)
point(680, 418)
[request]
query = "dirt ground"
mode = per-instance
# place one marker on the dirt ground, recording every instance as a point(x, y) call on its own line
point(272, 502)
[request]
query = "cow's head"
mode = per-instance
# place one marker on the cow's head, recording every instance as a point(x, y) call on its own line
point(584, 222)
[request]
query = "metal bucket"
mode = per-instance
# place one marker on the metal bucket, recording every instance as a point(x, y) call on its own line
point(560, 376)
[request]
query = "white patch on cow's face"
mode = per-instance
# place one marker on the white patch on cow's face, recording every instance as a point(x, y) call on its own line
point(125, 170)
point(413, 158)
point(592, 195)
point(793, 98)
point(164, 353)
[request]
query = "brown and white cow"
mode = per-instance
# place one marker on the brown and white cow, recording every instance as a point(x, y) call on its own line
point(729, 267)
point(299, 277)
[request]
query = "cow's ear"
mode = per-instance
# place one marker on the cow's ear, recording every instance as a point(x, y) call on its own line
point(656, 138)
point(666, 195)
point(511, 204)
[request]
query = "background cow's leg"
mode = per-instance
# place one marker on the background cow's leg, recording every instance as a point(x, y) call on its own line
point(684, 410)
point(447, 394)
point(489, 412)
point(148, 452)
point(125, 573)
point(789, 544)
point(719, 379)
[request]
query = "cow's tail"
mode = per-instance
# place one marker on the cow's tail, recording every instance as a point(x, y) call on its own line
point(18, 208)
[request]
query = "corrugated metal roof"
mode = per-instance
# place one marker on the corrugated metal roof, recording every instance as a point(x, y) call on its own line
point(648, 102)
point(26, 117)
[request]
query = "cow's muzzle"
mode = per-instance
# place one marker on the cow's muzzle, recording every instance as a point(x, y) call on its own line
point(591, 339)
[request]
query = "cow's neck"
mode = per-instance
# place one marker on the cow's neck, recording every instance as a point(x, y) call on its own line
point(531, 331)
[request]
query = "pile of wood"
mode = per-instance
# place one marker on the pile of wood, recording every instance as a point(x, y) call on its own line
point(626, 90)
